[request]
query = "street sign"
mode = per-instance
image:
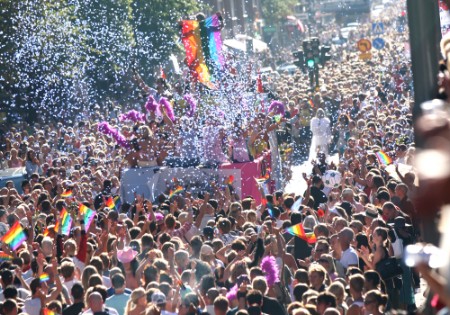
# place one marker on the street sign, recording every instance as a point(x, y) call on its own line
point(365, 56)
point(377, 28)
point(378, 43)
point(364, 45)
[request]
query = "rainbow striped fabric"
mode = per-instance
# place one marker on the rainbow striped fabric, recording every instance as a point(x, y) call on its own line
point(44, 277)
point(177, 190)
point(89, 215)
point(383, 158)
point(66, 222)
point(203, 44)
point(15, 236)
point(67, 193)
point(298, 230)
point(109, 202)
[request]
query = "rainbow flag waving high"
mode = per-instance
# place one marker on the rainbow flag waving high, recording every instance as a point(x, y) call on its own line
point(383, 158)
point(203, 44)
point(15, 236)
point(89, 215)
point(298, 230)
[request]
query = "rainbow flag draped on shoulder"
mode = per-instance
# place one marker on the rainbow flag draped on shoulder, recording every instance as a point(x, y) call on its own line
point(203, 44)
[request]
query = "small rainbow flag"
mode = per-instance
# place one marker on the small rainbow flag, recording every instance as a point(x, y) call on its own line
point(311, 103)
point(117, 202)
point(4, 256)
point(383, 158)
point(56, 228)
point(66, 222)
point(89, 215)
point(46, 311)
point(109, 202)
point(298, 230)
point(44, 277)
point(67, 193)
point(15, 236)
point(177, 190)
point(229, 180)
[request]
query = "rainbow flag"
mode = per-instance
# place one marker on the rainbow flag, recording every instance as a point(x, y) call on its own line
point(383, 158)
point(118, 203)
point(89, 215)
point(229, 180)
point(44, 277)
point(46, 311)
point(298, 230)
point(109, 202)
point(67, 193)
point(177, 190)
point(311, 103)
point(4, 256)
point(66, 222)
point(213, 47)
point(15, 236)
point(190, 37)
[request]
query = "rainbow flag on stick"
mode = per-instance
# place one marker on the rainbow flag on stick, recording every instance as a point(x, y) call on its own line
point(298, 230)
point(67, 193)
point(109, 202)
point(4, 256)
point(117, 203)
point(88, 214)
point(46, 311)
point(44, 277)
point(15, 236)
point(66, 222)
point(229, 180)
point(177, 190)
point(383, 158)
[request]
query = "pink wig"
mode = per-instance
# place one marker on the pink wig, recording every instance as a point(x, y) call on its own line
point(277, 107)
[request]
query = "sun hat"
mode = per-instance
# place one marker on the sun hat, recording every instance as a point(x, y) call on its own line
point(126, 255)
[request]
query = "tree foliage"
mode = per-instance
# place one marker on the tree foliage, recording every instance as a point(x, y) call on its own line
point(275, 10)
point(61, 56)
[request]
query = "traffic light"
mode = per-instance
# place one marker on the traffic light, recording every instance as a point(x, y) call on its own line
point(309, 54)
point(324, 54)
point(300, 59)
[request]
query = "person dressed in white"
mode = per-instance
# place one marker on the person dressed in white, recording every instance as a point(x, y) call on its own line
point(320, 128)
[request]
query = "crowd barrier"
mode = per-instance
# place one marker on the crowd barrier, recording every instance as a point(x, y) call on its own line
point(153, 181)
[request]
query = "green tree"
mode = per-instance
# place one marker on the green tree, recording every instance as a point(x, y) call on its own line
point(274, 11)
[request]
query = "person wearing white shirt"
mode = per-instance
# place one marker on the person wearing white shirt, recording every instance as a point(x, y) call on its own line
point(320, 128)
point(349, 256)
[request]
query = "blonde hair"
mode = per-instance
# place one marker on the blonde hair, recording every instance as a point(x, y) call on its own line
point(134, 297)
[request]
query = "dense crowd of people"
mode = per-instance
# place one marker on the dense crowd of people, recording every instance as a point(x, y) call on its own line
point(217, 253)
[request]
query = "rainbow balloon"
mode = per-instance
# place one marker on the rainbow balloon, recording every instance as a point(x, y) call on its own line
point(383, 158)
point(15, 236)
point(298, 230)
